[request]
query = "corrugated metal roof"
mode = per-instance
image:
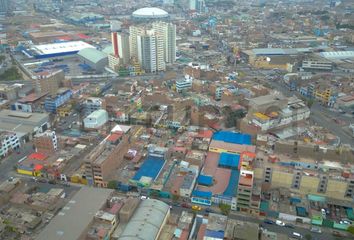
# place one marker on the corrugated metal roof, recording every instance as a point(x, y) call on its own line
point(92, 54)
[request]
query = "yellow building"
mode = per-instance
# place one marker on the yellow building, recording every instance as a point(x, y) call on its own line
point(64, 111)
point(323, 96)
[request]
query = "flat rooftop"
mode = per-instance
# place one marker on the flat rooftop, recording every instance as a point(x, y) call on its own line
point(55, 48)
point(74, 218)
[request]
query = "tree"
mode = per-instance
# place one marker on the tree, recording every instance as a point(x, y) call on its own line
point(351, 229)
point(225, 208)
point(175, 197)
point(112, 184)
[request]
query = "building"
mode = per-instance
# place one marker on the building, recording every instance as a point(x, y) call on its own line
point(4, 6)
point(149, 13)
point(74, 218)
point(103, 160)
point(26, 125)
point(94, 58)
point(96, 119)
point(46, 142)
point(9, 141)
point(184, 83)
point(151, 52)
point(317, 65)
point(48, 82)
point(92, 104)
point(134, 32)
point(147, 222)
point(9, 92)
point(121, 48)
point(53, 102)
point(55, 49)
point(168, 32)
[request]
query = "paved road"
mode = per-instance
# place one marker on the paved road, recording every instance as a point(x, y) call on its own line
point(321, 115)
point(303, 229)
point(8, 163)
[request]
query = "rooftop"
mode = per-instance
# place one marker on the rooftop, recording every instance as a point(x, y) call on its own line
point(55, 48)
point(92, 54)
point(150, 12)
point(77, 214)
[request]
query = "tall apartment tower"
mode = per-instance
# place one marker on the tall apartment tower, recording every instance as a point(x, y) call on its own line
point(167, 31)
point(151, 52)
point(120, 43)
point(134, 32)
point(4, 6)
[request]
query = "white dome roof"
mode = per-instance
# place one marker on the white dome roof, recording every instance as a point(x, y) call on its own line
point(150, 12)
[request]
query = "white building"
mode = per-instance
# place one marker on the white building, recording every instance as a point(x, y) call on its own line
point(121, 48)
point(134, 32)
point(184, 83)
point(92, 104)
point(9, 141)
point(96, 119)
point(151, 52)
point(168, 32)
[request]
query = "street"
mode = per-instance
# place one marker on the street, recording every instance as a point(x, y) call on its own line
point(8, 163)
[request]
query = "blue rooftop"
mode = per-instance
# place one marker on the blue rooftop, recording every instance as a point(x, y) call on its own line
point(231, 189)
point(150, 168)
point(205, 180)
point(232, 137)
point(229, 160)
point(214, 234)
point(202, 194)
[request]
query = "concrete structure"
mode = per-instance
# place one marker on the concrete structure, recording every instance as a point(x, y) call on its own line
point(147, 222)
point(4, 6)
point(184, 83)
point(96, 59)
point(134, 32)
point(150, 13)
point(92, 104)
point(168, 32)
point(96, 119)
point(8, 142)
point(121, 48)
point(313, 65)
point(46, 142)
point(9, 92)
point(26, 125)
point(53, 102)
point(73, 220)
point(150, 48)
point(48, 82)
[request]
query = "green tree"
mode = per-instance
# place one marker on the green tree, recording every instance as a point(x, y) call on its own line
point(112, 184)
point(175, 197)
point(351, 229)
point(225, 208)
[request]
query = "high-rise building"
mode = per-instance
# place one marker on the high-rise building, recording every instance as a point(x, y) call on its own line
point(168, 32)
point(134, 32)
point(120, 43)
point(146, 46)
point(4, 5)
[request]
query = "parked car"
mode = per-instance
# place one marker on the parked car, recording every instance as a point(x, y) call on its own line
point(344, 221)
point(185, 205)
point(338, 234)
point(316, 230)
point(268, 221)
point(208, 210)
point(196, 207)
point(297, 235)
point(280, 223)
point(289, 225)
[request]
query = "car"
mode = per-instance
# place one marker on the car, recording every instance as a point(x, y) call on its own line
point(297, 235)
point(52, 182)
point(345, 222)
point(315, 229)
point(268, 221)
point(42, 180)
point(338, 234)
point(280, 223)
point(208, 210)
point(185, 205)
point(289, 225)
point(196, 207)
